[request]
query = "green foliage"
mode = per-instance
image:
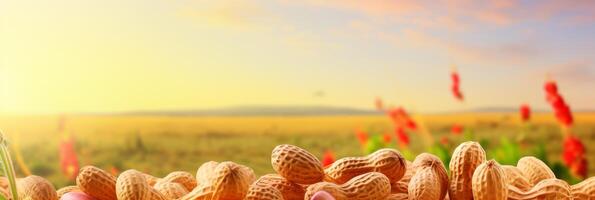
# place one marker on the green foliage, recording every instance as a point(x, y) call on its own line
point(539, 151)
point(373, 144)
point(442, 152)
point(562, 172)
point(507, 153)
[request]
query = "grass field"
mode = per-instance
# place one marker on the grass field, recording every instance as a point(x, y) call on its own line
point(158, 144)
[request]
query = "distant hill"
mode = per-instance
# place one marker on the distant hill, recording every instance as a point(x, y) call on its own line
point(306, 111)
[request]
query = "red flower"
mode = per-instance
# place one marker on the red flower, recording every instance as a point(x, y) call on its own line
point(525, 111)
point(379, 104)
point(455, 87)
point(573, 155)
point(444, 140)
point(387, 138)
point(401, 118)
point(561, 109)
point(328, 158)
point(456, 129)
point(362, 136)
point(402, 137)
point(68, 159)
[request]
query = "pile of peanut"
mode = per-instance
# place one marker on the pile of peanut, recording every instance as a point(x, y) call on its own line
point(382, 175)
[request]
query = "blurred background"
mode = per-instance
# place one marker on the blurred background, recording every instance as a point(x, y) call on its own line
point(166, 85)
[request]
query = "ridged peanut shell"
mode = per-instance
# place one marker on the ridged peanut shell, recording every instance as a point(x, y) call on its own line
point(36, 188)
point(398, 196)
point(428, 160)
point(204, 171)
point(585, 190)
point(290, 190)
point(489, 182)
point(424, 185)
point(409, 172)
point(151, 180)
point(515, 177)
point(263, 192)
point(534, 169)
point(386, 161)
point(184, 178)
point(399, 187)
point(96, 183)
point(548, 189)
point(67, 189)
point(465, 158)
point(132, 185)
point(368, 186)
point(296, 164)
point(228, 181)
point(171, 190)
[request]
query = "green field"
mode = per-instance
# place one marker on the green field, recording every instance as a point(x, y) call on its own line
point(158, 144)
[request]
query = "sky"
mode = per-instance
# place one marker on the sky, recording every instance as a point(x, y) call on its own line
point(72, 56)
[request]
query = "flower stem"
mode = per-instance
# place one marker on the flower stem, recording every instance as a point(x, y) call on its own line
point(8, 167)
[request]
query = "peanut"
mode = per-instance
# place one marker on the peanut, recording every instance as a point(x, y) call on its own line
point(466, 157)
point(368, 186)
point(171, 190)
point(386, 161)
point(399, 196)
point(399, 187)
point(409, 172)
point(96, 183)
point(534, 169)
point(132, 185)
point(296, 164)
point(515, 177)
point(425, 185)
point(584, 190)
point(151, 180)
point(36, 188)
point(322, 195)
point(228, 181)
point(67, 189)
point(263, 192)
point(289, 190)
point(489, 182)
point(184, 178)
point(204, 171)
point(544, 190)
point(428, 160)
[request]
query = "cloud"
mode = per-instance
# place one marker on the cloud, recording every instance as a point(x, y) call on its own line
point(576, 71)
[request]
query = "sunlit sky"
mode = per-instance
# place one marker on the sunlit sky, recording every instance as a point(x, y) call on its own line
point(60, 56)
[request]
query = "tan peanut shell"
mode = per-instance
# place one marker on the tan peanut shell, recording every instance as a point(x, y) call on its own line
point(228, 181)
point(263, 192)
point(296, 164)
point(398, 196)
point(534, 169)
point(548, 189)
point(515, 177)
point(428, 160)
point(399, 187)
point(132, 185)
point(368, 186)
point(151, 180)
point(67, 189)
point(386, 161)
point(584, 190)
point(408, 173)
point(171, 190)
point(466, 157)
point(204, 171)
point(425, 185)
point(96, 183)
point(184, 178)
point(36, 188)
point(289, 190)
point(489, 182)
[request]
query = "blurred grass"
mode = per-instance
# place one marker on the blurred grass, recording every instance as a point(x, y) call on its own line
point(158, 145)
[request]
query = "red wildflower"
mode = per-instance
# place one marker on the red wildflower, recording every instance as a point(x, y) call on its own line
point(561, 109)
point(525, 111)
point(68, 159)
point(444, 140)
point(387, 138)
point(456, 129)
point(455, 87)
point(362, 136)
point(574, 155)
point(402, 137)
point(114, 171)
point(328, 158)
point(379, 104)
point(401, 118)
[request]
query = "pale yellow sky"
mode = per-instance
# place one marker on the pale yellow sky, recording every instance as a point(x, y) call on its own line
point(111, 56)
